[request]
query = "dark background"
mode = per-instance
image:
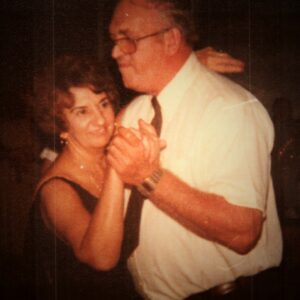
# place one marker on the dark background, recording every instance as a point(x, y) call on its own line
point(263, 33)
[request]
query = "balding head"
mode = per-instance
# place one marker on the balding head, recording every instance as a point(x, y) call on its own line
point(178, 12)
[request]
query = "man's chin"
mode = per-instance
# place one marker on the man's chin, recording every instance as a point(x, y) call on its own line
point(129, 83)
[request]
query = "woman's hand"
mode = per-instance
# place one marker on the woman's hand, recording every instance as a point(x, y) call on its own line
point(134, 154)
point(219, 61)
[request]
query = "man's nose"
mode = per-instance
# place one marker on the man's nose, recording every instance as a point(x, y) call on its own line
point(116, 52)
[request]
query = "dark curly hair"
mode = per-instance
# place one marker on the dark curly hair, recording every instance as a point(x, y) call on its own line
point(52, 89)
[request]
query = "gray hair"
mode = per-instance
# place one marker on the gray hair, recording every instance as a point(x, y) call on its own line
point(178, 12)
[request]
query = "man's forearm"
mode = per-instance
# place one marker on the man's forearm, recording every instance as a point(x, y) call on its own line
point(208, 215)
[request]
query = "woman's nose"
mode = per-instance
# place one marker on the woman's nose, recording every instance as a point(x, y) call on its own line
point(99, 116)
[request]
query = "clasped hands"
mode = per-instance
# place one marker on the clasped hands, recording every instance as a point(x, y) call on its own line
point(135, 153)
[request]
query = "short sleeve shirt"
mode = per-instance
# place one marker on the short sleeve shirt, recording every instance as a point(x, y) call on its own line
point(219, 139)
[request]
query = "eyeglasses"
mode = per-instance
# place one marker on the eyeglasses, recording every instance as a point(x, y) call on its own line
point(129, 45)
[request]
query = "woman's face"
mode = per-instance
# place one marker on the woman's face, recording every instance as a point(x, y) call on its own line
point(90, 120)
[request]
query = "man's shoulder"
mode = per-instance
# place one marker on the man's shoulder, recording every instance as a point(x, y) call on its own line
point(216, 97)
point(212, 87)
point(221, 84)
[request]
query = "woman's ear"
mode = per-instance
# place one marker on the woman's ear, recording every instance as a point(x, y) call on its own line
point(173, 40)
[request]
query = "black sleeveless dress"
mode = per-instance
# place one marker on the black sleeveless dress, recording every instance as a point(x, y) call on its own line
point(55, 273)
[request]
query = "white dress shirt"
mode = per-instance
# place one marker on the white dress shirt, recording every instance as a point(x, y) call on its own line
point(219, 139)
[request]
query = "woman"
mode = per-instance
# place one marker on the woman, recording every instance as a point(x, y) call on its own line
point(76, 222)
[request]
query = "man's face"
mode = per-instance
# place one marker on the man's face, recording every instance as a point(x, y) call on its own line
point(141, 69)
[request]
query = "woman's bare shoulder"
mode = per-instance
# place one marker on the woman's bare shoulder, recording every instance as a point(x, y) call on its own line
point(55, 175)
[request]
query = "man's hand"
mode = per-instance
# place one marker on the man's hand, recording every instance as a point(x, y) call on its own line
point(134, 154)
point(219, 61)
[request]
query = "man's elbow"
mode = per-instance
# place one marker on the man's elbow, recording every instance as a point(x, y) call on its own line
point(245, 245)
point(244, 242)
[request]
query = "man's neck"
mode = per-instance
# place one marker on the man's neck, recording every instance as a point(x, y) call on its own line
point(172, 67)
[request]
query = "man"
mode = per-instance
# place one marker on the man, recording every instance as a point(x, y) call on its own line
point(210, 215)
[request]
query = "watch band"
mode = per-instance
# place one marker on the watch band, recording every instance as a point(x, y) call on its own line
point(149, 184)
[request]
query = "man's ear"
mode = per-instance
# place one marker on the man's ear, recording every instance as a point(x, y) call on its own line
point(173, 40)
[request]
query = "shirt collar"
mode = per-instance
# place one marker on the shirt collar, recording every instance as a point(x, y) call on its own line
point(170, 97)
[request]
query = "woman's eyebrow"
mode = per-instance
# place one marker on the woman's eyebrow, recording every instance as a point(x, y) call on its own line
point(103, 98)
point(77, 107)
